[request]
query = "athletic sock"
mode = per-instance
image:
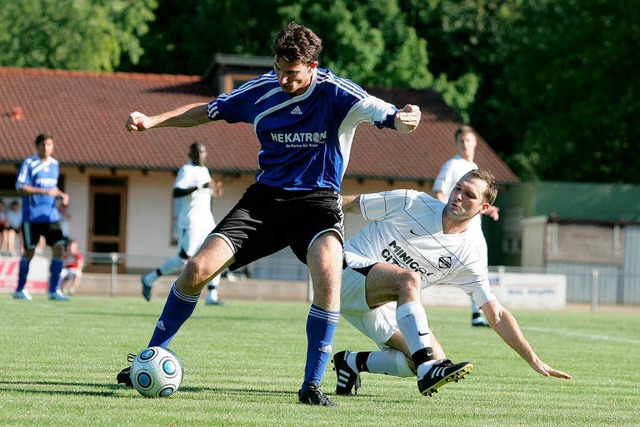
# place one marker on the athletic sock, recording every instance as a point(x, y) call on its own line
point(177, 310)
point(170, 266)
point(321, 326)
point(55, 269)
point(412, 321)
point(389, 362)
point(475, 310)
point(23, 272)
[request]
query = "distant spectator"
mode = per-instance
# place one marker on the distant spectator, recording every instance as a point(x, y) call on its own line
point(72, 271)
point(3, 223)
point(65, 219)
point(12, 229)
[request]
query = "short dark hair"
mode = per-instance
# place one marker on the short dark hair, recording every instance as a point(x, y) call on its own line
point(40, 139)
point(491, 192)
point(297, 43)
point(195, 147)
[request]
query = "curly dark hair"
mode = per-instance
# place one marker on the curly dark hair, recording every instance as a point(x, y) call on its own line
point(297, 43)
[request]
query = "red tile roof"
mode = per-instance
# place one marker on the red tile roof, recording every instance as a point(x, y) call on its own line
point(85, 112)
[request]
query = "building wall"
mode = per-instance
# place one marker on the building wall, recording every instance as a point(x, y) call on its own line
point(149, 211)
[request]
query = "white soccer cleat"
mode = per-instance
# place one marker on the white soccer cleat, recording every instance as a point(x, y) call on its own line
point(58, 296)
point(23, 294)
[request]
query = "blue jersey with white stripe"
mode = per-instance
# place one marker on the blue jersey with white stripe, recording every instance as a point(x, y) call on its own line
point(36, 173)
point(305, 140)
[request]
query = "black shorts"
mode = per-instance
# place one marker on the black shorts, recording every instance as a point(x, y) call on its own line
point(31, 232)
point(268, 219)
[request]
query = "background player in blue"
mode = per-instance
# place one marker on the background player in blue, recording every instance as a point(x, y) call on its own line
point(38, 183)
point(305, 119)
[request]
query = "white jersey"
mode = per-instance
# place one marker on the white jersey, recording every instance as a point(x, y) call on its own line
point(194, 209)
point(406, 230)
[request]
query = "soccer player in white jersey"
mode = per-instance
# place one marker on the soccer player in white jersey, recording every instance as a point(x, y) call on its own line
point(415, 241)
point(452, 170)
point(192, 191)
point(305, 119)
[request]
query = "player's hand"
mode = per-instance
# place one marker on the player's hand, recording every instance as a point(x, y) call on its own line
point(494, 213)
point(408, 118)
point(137, 121)
point(548, 371)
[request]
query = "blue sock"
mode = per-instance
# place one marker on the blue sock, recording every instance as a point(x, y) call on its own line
point(321, 326)
point(177, 310)
point(55, 270)
point(23, 272)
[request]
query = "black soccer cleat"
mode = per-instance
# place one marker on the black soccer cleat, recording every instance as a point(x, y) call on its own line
point(441, 373)
point(480, 322)
point(314, 396)
point(146, 287)
point(348, 379)
point(124, 376)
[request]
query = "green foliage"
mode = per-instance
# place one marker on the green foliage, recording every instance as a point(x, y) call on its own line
point(77, 35)
point(571, 72)
point(244, 362)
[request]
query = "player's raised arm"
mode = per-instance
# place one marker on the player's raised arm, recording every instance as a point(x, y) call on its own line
point(503, 322)
point(186, 116)
point(408, 118)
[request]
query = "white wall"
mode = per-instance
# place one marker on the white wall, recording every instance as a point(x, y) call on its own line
point(149, 204)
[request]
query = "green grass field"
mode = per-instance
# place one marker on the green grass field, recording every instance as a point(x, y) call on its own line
point(244, 363)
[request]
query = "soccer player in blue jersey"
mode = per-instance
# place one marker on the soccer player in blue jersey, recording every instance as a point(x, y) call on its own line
point(38, 183)
point(305, 119)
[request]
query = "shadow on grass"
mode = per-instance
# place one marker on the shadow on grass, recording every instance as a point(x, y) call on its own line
point(86, 389)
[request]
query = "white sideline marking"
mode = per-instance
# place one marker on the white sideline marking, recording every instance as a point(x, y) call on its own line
point(583, 335)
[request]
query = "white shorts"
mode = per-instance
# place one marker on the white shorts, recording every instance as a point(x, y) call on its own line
point(191, 238)
point(70, 274)
point(378, 324)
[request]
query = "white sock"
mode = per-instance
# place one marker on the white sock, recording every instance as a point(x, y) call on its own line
point(389, 362)
point(212, 294)
point(413, 323)
point(172, 265)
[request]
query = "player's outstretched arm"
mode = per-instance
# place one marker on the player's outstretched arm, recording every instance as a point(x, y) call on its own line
point(186, 116)
point(408, 119)
point(503, 322)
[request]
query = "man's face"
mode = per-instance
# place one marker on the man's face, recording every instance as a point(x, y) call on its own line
point(467, 146)
point(45, 149)
point(294, 77)
point(466, 199)
point(198, 155)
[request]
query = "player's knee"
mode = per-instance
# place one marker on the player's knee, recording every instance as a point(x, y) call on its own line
point(410, 283)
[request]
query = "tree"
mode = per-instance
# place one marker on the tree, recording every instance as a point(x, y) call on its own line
point(77, 35)
point(570, 76)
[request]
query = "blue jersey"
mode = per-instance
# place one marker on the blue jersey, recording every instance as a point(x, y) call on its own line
point(36, 173)
point(305, 140)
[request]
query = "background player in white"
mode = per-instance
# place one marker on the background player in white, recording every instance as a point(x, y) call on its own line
point(452, 170)
point(192, 191)
point(305, 119)
point(415, 241)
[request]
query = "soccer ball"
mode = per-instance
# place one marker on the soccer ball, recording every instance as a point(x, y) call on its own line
point(156, 372)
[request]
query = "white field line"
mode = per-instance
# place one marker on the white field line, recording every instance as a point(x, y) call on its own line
point(594, 337)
